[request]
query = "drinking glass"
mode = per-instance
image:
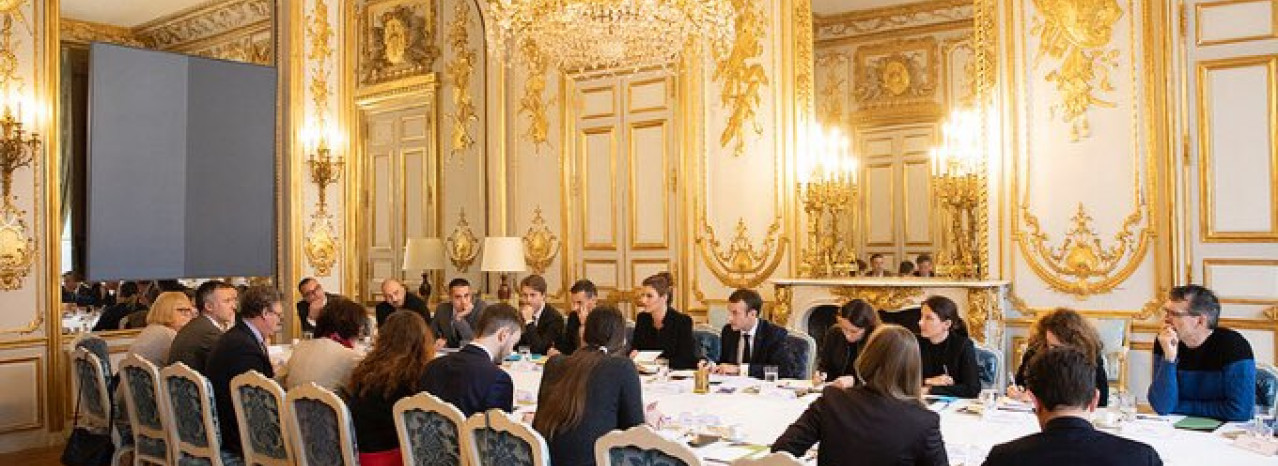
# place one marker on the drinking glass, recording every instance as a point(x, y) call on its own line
point(525, 357)
point(663, 369)
point(770, 374)
point(307, 335)
point(1127, 405)
point(989, 401)
point(1262, 421)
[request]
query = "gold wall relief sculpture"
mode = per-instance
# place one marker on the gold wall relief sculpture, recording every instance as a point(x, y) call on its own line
point(1076, 33)
point(1271, 313)
point(831, 111)
point(540, 245)
point(532, 103)
point(888, 298)
point(1082, 265)
point(463, 245)
point(18, 149)
point(781, 309)
point(982, 307)
point(84, 32)
point(804, 84)
point(397, 40)
point(896, 79)
point(460, 71)
point(742, 77)
point(878, 20)
point(321, 243)
point(239, 30)
point(741, 265)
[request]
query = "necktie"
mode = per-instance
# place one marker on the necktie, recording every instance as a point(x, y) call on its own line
point(745, 351)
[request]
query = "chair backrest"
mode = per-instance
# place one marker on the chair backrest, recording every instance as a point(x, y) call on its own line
point(641, 445)
point(630, 332)
point(321, 427)
point(803, 352)
point(1266, 384)
point(429, 431)
point(494, 438)
point(989, 365)
point(707, 342)
point(94, 402)
point(258, 408)
point(96, 345)
point(147, 409)
point(780, 458)
point(194, 433)
point(1114, 334)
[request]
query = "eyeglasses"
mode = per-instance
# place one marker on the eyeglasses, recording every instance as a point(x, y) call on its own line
point(1171, 313)
point(189, 311)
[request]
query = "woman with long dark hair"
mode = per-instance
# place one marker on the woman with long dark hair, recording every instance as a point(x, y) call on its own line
point(391, 370)
point(845, 341)
point(596, 379)
point(1062, 327)
point(949, 356)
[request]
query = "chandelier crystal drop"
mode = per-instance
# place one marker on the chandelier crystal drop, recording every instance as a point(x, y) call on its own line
point(597, 35)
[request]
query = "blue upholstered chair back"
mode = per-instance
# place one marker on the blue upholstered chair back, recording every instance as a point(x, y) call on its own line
point(139, 381)
point(708, 342)
point(635, 456)
point(802, 352)
point(494, 438)
point(96, 345)
point(429, 431)
point(257, 406)
point(1266, 384)
point(321, 427)
point(641, 446)
point(91, 387)
point(195, 436)
point(989, 364)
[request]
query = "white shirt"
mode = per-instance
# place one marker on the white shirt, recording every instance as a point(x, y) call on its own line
point(215, 322)
point(537, 314)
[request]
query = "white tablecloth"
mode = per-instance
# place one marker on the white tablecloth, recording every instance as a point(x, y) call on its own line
point(762, 418)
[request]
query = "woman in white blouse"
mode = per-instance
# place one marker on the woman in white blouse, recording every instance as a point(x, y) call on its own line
point(328, 358)
point(170, 311)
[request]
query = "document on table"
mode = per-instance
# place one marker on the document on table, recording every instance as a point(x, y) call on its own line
point(727, 452)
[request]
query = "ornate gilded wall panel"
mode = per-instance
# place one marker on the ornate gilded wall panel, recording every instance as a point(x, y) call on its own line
point(896, 78)
point(238, 30)
point(920, 15)
point(460, 70)
point(396, 40)
point(742, 77)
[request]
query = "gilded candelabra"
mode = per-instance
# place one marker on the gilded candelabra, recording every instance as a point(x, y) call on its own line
point(18, 149)
point(321, 239)
point(828, 200)
point(325, 170)
point(957, 184)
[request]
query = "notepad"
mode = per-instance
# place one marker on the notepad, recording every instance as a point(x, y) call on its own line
point(1198, 423)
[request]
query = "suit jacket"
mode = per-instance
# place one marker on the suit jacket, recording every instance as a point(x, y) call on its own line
point(470, 380)
point(411, 302)
point(614, 401)
point(870, 428)
point(237, 352)
point(767, 348)
point(1071, 440)
point(457, 332)
point(542, 334)
point(193, 343)
point(304, 311)
point(674, 340)
point(571, 339)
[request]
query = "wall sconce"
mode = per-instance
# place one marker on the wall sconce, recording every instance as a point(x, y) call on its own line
point(326, 169)
point(18, 149)
point(321, 245)
point(828, 183)
point(503, 255)
point(957, 165)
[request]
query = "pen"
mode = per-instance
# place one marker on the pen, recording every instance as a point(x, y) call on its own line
point(946, 369)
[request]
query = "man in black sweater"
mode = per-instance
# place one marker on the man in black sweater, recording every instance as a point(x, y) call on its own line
point(1064, 386)
point(396, 297)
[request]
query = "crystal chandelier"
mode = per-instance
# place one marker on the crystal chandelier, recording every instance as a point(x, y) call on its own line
point(593, 35)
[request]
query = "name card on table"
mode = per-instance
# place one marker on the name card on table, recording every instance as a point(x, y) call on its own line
point(1264, 446)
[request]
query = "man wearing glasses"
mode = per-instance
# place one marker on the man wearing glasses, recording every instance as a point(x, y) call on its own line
point(241, 349)
point(1201, 369)
point(312, 304)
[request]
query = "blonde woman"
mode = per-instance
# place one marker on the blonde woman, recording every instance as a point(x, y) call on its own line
point(882, 422)
point(170, 312)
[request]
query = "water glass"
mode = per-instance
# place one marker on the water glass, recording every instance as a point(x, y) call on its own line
point(663, 369)
point(770, 374)
point(1262, 421)
point(1127, 406)
point(307, 335)
point(989, 401)
point(525, 357)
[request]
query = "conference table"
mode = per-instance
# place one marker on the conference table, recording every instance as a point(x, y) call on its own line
point(759, 418)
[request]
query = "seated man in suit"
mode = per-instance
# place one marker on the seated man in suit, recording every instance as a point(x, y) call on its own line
point(749, 339)
point(471, 379)
point(455, 321)
point(243, 349)
point(925, 267)
point(1063, 381)
point(217, 302)
point(314, 298)
point(584, 298)
point(544, 323)
point(1201, 369)
point(396, 297)
point(877, 266)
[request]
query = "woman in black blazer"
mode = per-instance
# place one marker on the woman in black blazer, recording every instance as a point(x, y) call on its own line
point(661, 328)
point(596, 379)
point(1063, 327)
point(845, 340)
point(948, 355)
point(883, 422)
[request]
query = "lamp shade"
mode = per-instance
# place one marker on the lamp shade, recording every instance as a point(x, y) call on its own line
point(503, 254)
point(424, 254)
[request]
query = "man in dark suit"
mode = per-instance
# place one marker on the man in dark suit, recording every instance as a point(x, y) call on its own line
point(313, 300)
point(396, 297)
point(1063, 381)
point(217, 302)
point(584, 296)
point(544, 325)
point(749, 339)
point(471, 379)
point(242, 349)
point(455, 321)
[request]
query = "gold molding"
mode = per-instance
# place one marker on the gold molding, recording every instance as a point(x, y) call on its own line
point(888, 298)
point(630, 94)
point(463, 246)
point(1086, 61)
point(1206, 179)
point(533, 103)
point(633, 157)
point(1081, 265)
point(396, 40)
point(741, 75)
point(741, 265)
point(460, 72)
point(896, 79)
point(584, 194)
point(42, 411)
point(1208, 263)
point(1198, 23)
point(22, 148)
point(982, 307)
point(84, 32)
point(866, 22)
point(540, 245)
point(783, 305)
